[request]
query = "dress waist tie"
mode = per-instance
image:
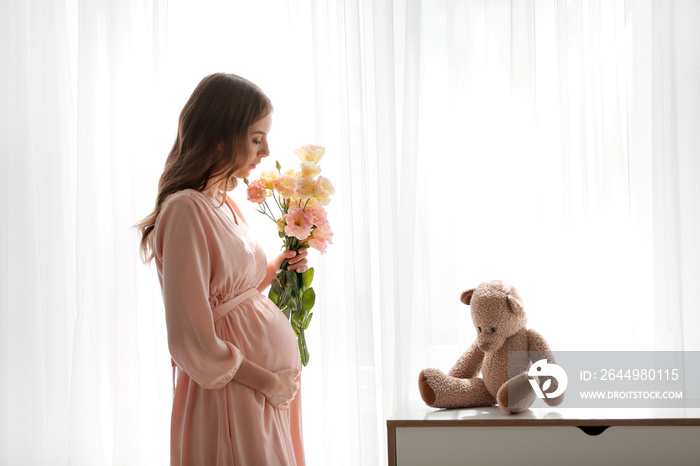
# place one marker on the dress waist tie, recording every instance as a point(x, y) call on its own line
point(220, 311)
point(228, 306)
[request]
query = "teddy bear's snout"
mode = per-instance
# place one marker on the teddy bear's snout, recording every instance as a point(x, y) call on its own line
point(489, 338)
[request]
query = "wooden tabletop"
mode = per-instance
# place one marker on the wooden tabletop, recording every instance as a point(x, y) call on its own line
point(415, 415)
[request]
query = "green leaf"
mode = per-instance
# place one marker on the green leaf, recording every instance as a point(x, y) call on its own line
point(308, 300)
point(276, 286)
point(292, 278)
point(307, 320)
point(284, 298)
point(273, 297)
point(294, 305)
point(286, 311)
point(307, 277)
point(298, 319)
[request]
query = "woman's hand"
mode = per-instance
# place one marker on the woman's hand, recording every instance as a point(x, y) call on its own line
point(298, 261)
point(284, 387)
point(278, 387)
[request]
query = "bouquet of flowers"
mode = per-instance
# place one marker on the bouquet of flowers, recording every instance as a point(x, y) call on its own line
point(300, 197)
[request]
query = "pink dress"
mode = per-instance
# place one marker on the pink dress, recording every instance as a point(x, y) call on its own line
point(209, 270)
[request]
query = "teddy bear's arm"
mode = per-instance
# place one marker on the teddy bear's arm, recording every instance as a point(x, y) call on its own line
point(539, 349)
point(469, 364)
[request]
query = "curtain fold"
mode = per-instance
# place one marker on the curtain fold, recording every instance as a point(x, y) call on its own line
point(676, 166)
point(549, 143)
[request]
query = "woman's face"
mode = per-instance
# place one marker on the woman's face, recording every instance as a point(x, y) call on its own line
point(256, 145)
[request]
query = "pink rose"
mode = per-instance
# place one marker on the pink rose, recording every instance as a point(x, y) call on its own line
point(318, 244)
point(299, 223)
point(286, 185)
point(324, 231)
point(257, 192)
point(318, 213)
point(321, 237)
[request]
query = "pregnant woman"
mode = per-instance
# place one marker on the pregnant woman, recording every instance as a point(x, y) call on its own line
point(236, 357)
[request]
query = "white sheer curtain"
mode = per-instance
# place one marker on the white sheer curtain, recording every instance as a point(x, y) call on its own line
point(551, 144)
point(81, 353)
point(675, 148)
point(536, 142)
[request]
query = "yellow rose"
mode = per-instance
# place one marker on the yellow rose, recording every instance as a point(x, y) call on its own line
point(309, 169)
point(268, 178)
point(292, 172)
point(305, 187)
point(281, 224)
point(311, 153)
point(312, 203)
point(323, 190)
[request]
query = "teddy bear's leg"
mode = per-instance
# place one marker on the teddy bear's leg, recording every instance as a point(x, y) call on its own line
point(439, 390)
point(516, 395)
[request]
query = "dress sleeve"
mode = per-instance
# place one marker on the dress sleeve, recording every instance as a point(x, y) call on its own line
point(182, 255)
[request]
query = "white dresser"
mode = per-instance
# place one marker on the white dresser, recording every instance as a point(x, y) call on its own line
point(422, 436)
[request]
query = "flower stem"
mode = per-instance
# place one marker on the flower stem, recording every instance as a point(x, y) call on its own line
point(278, 204)
point(268, 212)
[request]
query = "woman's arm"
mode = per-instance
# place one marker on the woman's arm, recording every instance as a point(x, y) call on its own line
point(278, 387)
point(182, 257)
point(297, 262)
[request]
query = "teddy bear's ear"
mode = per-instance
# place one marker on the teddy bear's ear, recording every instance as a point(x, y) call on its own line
point(514, 304)
point(467, 296)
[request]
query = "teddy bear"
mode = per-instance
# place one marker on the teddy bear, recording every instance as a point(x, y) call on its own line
point(499, 319)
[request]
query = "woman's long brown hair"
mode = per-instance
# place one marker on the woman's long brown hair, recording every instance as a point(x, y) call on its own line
point(213, 126)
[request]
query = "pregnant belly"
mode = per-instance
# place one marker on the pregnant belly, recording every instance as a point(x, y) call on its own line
point(260, 330)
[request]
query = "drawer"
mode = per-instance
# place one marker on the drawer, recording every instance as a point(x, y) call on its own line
point(542, 445)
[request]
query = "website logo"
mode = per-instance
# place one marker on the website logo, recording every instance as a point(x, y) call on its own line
point(544, 369)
